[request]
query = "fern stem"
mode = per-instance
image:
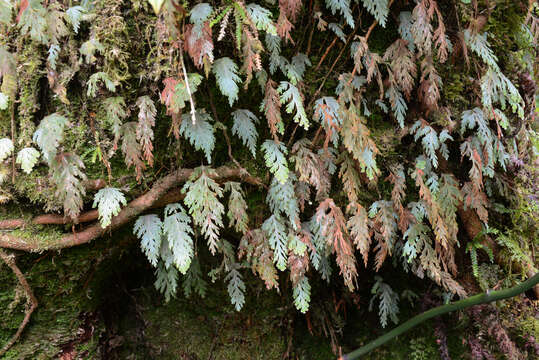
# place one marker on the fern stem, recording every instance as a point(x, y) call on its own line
point(478, 299)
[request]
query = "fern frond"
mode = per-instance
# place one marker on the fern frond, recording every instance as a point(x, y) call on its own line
point(166, 281)
point(131, 148)
point(146, 121)
point(302, 294)
point(201, 133)
point(49, 134)
point(4, 101)
point(226, 73)
point(202, 199)
point(333, 227)
point(358, 226)
point(261, 17)
point(200, 13)
point(115, 110)
point(290, 95)
point(245, 128)
point(274, 154)
point(94, 80)
point(27, 158)
point(282, 199)
point(148, 229)
point(68, 176)
point(178, 232)
point(109, 202)
point(388, 306)
point(236, 289)
point(275, 231)
point(6, 11)
point(379, 9)
point(193, 281)
point(6, 148)
point(74, 16)
point(237, 207)
point(342, 6)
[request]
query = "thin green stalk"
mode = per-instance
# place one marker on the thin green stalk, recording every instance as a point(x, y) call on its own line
point(478, 299)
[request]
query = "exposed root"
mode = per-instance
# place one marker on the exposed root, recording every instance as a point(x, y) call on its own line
point(31, 299)
point(158, 194)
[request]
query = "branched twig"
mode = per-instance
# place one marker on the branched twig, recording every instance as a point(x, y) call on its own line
point(10, 261)
point(333, 66)
point(223, 128)
point(144, 202)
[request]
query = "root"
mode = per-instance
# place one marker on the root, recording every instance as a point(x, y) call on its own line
point(31, 299)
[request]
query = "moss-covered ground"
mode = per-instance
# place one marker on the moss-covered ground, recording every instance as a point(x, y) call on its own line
point(98, 302)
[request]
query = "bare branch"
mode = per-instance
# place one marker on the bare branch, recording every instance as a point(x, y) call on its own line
point(144, 202)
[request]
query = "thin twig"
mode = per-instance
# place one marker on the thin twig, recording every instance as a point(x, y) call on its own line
point(333, 66)
point(13, 140)
point(326, 53)
point(223, 128)
point(10, 261)
point(193, 116)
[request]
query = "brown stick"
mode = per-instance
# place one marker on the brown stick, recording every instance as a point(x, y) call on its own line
point(326, 53)
point(333, 66)
point(128, 213)
point(10, 261)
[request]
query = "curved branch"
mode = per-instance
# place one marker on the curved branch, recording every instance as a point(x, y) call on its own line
point(155, 196)
point(440, 310)
point(10, 261)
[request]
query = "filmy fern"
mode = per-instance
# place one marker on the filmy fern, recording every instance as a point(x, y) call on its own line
point(379, 9)
point(226, 73)
point(68, 176)
point(200, 13)
point(262, 18)
point(431, 141)
point(6, 148)
point(245, 128)
point(178, 232)
point(342, 6)
point(74, 16)
point(109, 202)
point(201, 133)
point(274, 154)
point(115, 111)
point(148, 229)
point(275, 231)
point(202, 199)
point(94, 80)
point(388, 306)
point(166, 280)
point(236, 288)
point(193, 281)
point(237, 207)
point(282, 200)
point(146, 121)
point(27, 158)
point(291, 96)
point(6, 11)
point(302, 294)
point(4, 101)
point(49, 134)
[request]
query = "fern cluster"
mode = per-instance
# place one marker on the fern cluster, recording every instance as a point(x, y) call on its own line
point(363, 155)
